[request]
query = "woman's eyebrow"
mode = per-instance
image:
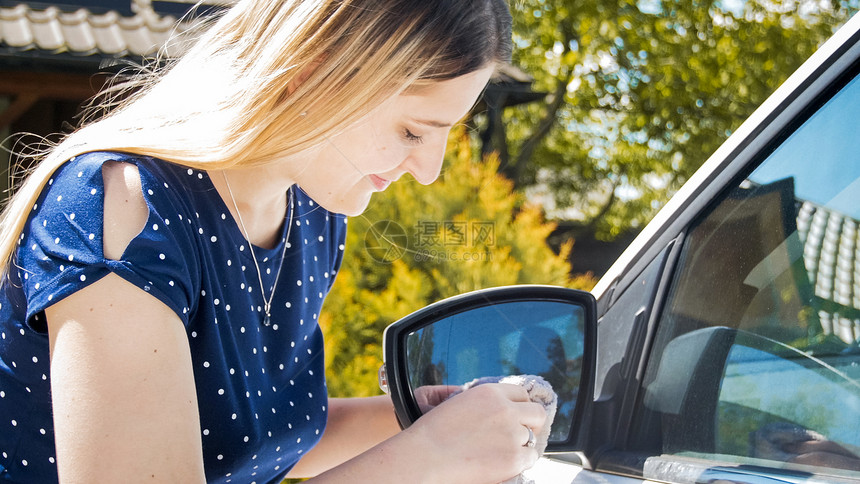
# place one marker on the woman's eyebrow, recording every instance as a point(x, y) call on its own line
point(432, 123)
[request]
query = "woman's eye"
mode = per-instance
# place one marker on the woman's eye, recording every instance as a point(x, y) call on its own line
point(412, 137)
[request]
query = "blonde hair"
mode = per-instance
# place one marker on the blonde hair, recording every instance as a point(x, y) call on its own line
point(235, 97)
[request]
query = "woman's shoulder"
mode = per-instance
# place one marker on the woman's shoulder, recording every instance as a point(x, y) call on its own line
point(85, 171)
point(91, 173)
point(94, 161)
point(93, 209)
point(112, 194)
point(125, 210)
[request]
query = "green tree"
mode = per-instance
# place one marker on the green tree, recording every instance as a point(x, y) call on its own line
point(416, 245)
point(640, 93)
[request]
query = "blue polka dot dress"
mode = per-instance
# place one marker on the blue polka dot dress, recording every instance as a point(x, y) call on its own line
point(260, 389)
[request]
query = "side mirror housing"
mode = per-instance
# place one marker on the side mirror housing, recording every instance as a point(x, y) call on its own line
point(529, 329)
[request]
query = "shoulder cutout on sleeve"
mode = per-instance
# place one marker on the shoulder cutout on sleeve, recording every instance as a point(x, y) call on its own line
point(125, 211)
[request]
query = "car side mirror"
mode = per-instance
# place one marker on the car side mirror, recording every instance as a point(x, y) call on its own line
point(539, 330)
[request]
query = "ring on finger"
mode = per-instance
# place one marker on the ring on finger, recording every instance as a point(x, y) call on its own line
point(530, 443)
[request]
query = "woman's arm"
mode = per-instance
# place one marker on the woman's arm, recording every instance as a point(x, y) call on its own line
point(475, 437)
point(124, 400)
point(354, 426)
point(357, 424)
point(125, 406)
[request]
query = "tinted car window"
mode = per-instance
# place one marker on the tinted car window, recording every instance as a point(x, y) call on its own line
point(757, 356)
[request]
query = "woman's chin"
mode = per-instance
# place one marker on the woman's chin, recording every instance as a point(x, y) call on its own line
point(349, 207)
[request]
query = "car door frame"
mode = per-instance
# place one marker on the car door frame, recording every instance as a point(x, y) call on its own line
point(646, 269)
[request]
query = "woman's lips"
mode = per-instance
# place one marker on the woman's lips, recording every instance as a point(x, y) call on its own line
point(379, 183)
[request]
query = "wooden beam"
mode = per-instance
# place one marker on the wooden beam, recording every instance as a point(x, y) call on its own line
point(19, 106)
point(59, 86)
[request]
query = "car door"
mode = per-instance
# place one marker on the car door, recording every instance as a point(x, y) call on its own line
point(729, 338)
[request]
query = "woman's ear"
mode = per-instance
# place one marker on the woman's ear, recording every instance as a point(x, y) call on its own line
point(303, 75)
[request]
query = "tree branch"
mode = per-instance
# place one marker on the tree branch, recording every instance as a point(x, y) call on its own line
point(604, 209)
point(517, 169)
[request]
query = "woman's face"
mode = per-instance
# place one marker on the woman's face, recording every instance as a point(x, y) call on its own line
point(406, 134)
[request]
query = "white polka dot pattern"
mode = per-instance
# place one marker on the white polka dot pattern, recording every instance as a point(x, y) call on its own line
point(260, 389)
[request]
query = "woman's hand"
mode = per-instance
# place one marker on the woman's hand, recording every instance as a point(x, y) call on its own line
point(823, 453)
point(480, 434)
point(474, 437)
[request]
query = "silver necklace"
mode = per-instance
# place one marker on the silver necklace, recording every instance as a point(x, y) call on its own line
point(267, 302)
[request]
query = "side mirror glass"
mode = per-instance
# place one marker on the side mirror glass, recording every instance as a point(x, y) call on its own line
point(538, 330)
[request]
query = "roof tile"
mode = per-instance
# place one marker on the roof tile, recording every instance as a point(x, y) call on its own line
point(15, 27)
point(82, 32)
point(109, 38)
point(46, 29)
point(77, 34)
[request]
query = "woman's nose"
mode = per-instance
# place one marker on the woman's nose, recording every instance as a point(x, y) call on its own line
point(425, 163)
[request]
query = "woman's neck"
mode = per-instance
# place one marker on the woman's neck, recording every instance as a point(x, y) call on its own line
point(260, 196)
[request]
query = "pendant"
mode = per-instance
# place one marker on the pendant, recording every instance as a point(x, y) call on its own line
point(267, 309)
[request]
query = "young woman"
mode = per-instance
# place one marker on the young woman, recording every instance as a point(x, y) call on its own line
point(164, 266)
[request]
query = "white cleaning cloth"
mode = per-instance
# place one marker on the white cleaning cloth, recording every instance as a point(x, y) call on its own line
point(540, 391)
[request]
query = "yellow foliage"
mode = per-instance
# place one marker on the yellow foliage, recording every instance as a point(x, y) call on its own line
point(416, 245)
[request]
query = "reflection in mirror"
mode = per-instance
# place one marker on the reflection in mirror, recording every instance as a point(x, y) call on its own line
point(544, 338)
